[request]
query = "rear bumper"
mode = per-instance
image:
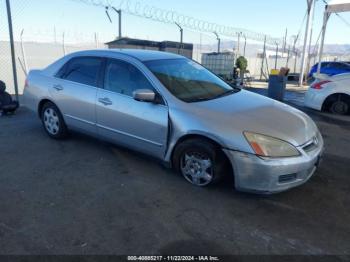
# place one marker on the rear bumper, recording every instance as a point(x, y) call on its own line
point(313, 99)
point(266, 176)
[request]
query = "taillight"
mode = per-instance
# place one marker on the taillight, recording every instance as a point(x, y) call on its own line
point(319, 85)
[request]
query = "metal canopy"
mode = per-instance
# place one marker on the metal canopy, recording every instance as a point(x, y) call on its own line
point(338, 6)
point(334, 6)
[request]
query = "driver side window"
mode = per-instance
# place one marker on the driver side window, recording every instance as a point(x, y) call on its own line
point(124, 78)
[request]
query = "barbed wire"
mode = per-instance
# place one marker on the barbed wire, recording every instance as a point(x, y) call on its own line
point(137, 8)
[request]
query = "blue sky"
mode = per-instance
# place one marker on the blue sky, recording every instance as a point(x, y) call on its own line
point(80, 21)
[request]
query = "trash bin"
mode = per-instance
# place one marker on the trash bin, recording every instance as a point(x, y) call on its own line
point(277, 87)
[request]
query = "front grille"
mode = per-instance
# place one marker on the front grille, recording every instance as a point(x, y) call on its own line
point(310, 147)
point(313, 143)
point(287, 178)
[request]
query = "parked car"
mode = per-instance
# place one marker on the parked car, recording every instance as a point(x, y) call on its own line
point(331, 68)
point(174, 109)
point(330, 94)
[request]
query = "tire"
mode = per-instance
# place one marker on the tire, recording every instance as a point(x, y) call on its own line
point(53, 121)
point(200, 162)
point(340, 107)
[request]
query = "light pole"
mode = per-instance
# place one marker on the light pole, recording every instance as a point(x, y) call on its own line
point(119, 12)
point(219, 40)
point(181, 36)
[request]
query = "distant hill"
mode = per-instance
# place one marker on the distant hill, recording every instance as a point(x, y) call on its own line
point(252, 49)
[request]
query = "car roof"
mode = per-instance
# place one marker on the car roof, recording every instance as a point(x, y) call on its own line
point(142, 55)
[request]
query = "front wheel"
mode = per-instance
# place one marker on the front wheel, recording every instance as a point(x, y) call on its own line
point(53, 122)
point(200, 162)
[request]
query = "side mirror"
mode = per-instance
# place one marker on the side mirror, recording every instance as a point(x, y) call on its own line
point(144, 95)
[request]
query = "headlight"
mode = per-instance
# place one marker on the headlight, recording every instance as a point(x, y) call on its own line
point(269, 146)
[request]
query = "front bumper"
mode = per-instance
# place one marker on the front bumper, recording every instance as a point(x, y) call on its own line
point(267, 176)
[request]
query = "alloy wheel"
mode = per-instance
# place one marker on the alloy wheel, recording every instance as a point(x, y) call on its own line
point(197, 168)
point(51, 121)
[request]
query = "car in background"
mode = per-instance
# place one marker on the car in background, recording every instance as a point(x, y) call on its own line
point(331, 68)
point(330, 93)
point(174, 109)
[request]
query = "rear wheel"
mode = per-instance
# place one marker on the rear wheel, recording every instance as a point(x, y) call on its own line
point(53, 122)
point(200, 162)
point(340, 107)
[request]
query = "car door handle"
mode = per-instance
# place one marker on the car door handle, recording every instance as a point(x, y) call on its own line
point(105, 101)
point(58, 87)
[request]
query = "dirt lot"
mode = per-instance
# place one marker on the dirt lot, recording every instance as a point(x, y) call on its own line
point(84, 196)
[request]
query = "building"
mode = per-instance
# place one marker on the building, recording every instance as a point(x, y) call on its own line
point(165, 46)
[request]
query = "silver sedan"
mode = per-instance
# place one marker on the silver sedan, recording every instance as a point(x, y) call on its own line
point(172, 108)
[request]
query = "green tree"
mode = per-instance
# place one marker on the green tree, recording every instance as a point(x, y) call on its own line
point(242, 65)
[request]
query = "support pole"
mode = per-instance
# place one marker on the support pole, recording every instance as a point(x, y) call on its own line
point(310, 10)
point(24, 57)
point(276, 58)
point(63, 44)
point(238, 43)
point(320, 51)
point(310, 41)
point(285, 41)
point(245, 44)
point(12, 44)
point(263, 59)
point(288, 55)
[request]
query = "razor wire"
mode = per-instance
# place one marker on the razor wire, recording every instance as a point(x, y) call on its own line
point(137, 8)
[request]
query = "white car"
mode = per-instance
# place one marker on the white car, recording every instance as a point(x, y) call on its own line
point(330, 94)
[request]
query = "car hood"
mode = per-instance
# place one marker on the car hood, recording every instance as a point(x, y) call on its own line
point(247, 111)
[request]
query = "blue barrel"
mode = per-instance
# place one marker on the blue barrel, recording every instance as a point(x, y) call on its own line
point(277, 87)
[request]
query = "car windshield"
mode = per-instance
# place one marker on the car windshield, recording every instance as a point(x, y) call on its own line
point(188, 80)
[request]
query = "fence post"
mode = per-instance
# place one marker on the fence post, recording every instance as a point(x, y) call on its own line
point(12, 44)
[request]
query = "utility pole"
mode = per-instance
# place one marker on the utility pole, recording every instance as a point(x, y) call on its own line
point(310, 10)
point(181, 37)
point(12, 44)
point(219, 40)
point(310, 41)
point(263, 59)
point(119, 12)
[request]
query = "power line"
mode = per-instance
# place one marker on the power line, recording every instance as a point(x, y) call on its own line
point(137, 8)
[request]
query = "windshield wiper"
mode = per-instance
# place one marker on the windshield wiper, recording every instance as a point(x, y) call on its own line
point(226, 93)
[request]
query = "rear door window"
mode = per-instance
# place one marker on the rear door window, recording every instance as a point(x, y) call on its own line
point(83, 70)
